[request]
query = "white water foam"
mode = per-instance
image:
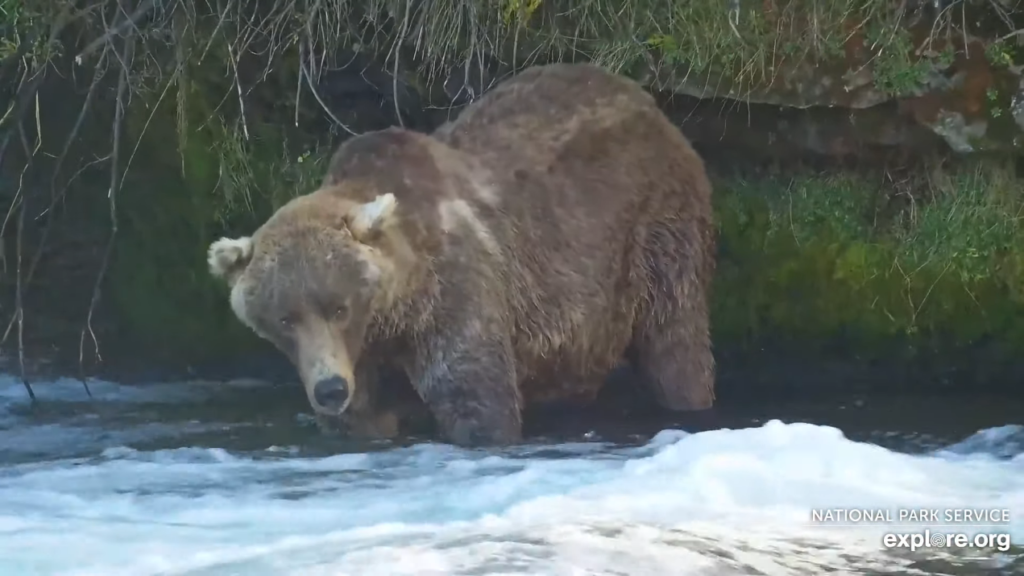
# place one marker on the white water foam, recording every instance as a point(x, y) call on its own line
point(721, 502)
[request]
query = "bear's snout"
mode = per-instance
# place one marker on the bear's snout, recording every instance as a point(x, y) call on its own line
point(331, 394)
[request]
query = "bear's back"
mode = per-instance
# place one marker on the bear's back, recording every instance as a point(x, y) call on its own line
point(567, 146)
point(541, 108)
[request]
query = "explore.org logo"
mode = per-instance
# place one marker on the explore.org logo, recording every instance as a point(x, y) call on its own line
point(928, 539)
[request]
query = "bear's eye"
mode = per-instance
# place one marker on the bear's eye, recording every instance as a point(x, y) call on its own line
point(340, 311)
point(287, 321)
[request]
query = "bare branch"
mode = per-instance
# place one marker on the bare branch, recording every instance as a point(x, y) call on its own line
point(56, 196)
point(28, 91)
point(145, 127)
point(19, 306)
point(1008, 36)
point(126, 56)
point(116, 30)
point(397, 47)
point(241, 96)
point(316, 94)
point(11, 61)
point(26, 95)
point(216, 30)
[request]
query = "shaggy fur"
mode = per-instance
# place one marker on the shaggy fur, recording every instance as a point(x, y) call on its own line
point(513, 256)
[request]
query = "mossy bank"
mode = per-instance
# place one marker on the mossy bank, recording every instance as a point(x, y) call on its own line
point(923, 275)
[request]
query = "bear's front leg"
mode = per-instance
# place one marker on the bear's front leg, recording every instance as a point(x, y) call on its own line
point(360, 425)
point(467, 378)
point(366, 418)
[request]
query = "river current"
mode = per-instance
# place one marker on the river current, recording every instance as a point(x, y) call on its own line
point(217, 479)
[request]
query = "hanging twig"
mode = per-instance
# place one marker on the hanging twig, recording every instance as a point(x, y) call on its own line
point(397, 48)
point(1008, 36)
point(25, 277)
point(11, 62)
point(241, 96)
point(119, 108)
point(82, 113)
point(316, 94)
point(25, 97)
point(56, 196)
point(116, 29)
point(19, 307)
point(19, 201)
point(26, 93)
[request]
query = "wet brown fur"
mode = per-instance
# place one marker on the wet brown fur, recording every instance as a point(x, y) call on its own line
point(559, 222)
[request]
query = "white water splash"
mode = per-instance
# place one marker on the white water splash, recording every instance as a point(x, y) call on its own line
point(721, 502)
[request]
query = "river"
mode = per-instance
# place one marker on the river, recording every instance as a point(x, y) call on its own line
point(205, 479)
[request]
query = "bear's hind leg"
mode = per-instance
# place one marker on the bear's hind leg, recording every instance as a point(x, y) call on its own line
point(672, 343)
point(673, 355)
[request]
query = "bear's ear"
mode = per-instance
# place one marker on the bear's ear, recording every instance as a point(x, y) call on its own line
point(365, 220)
point(227, 258)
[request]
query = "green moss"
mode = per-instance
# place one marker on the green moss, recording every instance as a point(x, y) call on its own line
point(175, 204)
point(815, 257)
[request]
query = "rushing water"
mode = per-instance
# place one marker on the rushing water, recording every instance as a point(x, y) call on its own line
point(219, 480)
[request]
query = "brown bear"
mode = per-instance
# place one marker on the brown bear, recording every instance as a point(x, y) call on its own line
point(515, 255)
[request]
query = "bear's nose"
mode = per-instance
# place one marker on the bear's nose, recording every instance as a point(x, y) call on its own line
point(331, 393)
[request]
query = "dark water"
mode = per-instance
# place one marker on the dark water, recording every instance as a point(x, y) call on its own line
point(233, 479)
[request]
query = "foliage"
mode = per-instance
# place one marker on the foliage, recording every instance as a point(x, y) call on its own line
point(817, 256)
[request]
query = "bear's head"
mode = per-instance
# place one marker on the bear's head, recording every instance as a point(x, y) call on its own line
point(309, 281)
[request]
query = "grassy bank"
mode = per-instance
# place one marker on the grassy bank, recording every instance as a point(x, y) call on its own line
point(935, 261)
